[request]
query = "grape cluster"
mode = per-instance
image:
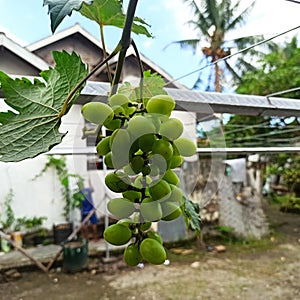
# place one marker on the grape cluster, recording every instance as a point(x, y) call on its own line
point(146, 144)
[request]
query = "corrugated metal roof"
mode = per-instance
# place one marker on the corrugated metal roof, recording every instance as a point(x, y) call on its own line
point(211, 102)
point(208, 103)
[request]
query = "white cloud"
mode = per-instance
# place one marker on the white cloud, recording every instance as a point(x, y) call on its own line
point(268, 17)
point(148, 43)
point(181, 15)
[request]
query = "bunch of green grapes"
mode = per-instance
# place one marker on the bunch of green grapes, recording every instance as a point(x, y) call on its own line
point(144, 148)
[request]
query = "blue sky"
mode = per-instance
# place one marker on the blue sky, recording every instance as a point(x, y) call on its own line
point(28, 21)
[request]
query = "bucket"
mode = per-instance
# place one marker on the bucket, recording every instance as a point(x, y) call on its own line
point(17, 238)
point(5, 245)
point(61, 232)
point(75, 255)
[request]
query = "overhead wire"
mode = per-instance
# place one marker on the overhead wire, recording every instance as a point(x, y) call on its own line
point(266, 134)
point(294, 1)
point(233, 54)
point(284, 91)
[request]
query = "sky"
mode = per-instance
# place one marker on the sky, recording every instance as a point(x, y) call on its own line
point(27, 22)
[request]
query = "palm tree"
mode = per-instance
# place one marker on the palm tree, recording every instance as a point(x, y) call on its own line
point(212, 20)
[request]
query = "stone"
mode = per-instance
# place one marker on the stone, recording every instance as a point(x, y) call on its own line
point(12, 274)
point(220, 248)
point(195, 264)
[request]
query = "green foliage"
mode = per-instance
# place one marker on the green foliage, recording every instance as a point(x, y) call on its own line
point(59, 9)
point(152, 85)
point(280, 70)
point(9, 217)
point(29, 223)
point(34, 128)
point(291, 204)
point(111, 13)
point(190, 211)
point(227, 234)
point(291, 174)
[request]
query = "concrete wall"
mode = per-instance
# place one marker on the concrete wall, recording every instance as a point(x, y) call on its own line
point(42, 196)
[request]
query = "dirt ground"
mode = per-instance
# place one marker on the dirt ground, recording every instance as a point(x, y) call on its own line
point(267, 269)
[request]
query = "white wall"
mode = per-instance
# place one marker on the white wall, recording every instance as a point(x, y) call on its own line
point(43, 197)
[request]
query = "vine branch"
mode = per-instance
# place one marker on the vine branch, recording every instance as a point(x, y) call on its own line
point(121, 48)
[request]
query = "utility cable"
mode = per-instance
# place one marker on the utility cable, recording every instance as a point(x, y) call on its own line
point(233, 54)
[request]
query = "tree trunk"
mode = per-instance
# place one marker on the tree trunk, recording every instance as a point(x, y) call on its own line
point(217, 78)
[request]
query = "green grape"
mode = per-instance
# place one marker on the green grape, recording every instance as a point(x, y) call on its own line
point(120, 145)
point(172, 129)
point(146, 142)
point(185, 146)
point(137, 163)
point(155, 236)
point(114, 124)
point(121, 138)
point(140, 125)
point(120, 207)
point(176, 161)
point(108, 160)
point(150, 210)
point(134, 148)
point(103, 146)
point(176, 195)
point(142, 181)
point(146, 226)
point(160, 190)
point(152, 251)
point(160, 104)
point(155, 119)
point(171, 177)
point(126, 222)
point(129, 110)
point(146, 170)
point(170, 210)
point(118, 100)
point(97, 113)
point(163, 148)
point(158, 165)
point(132, 255)
point(118, 110)
point(128, 170)
point(117, 182)
point(117, 234)
point(133, 196)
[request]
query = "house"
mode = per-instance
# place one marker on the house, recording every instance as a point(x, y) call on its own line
point(42, 196)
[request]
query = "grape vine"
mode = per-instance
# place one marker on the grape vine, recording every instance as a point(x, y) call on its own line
point(145, 148)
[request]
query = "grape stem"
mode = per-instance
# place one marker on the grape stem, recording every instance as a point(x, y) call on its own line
point(125, 43)
point(135, 48)
point(121, 48)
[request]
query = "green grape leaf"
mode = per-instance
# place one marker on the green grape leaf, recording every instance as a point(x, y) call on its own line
point(190, 211)
point(152, 85)
point(111, 13)
point(59, 9)
point(32, 126)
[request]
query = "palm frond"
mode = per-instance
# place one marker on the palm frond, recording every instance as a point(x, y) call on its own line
point(186, 44)
point(240, 19)
point(235, 75)
point(199, 15)
point(212, 10)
